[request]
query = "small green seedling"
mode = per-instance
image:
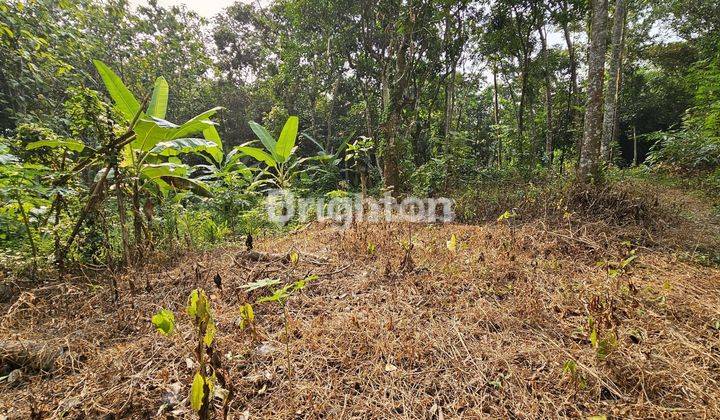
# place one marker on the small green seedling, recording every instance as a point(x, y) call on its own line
point(281, 296)
point(164, 321)
point(452, 243)
point(371, 248)
point(570, 368)
point(507, 215)
point(200, 313)
point(247, 316)
point(615, 269)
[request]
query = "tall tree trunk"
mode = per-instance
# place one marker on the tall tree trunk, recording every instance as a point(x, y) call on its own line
point(496, 112)
point(330, 115)
point(122, 215)
point(573, 87)
point(592, 131)
point(613, 86)
point(548, 99)
point(525, 68)
point(395, 104)
point(635, 154)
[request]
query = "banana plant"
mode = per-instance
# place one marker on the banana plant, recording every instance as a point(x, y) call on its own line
point(281, 164)
point(150, 165)
point(230, 167)
point(152, 157)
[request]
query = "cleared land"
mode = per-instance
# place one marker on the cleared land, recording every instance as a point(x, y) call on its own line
point(502, 327)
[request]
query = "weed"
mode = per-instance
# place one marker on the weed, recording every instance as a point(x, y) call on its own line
point(570, 368)
point(208, 375)
point(281, 296)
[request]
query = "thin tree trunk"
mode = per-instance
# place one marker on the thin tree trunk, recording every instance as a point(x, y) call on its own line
point(330, 114)
point(394, 104)
point(496, 106)
point(123, 216)
point(635, 154)
point(523, 96)
point(588, 167)
point(26, 222)
point(548, 100)
point(137, 220)
point(573, 87)
point(613, 86)
point(83, 214)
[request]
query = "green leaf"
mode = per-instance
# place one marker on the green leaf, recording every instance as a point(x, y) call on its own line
point(264, 136)
point(197, 123)
point(247, 315)
point(210, 333)
point(197, 392)
point(281, 294)
point(258, 155)
point(75, 146)
point(192, 303)
point(199, 307)
point(183, 145)
point(125, 101)
point(164, 320)
point(452, 243)
point(158, 170)
point(151, 131)
point(212, 134)
point(158, 102)
point(286, 142)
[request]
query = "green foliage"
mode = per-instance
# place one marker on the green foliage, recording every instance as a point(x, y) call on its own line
point(164, 321)
point(200, 313)
point(197, 392)
point(282, 294)
point(247, 316)
point(281, 166)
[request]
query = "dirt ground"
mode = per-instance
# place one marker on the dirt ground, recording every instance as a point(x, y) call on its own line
point(521, 320)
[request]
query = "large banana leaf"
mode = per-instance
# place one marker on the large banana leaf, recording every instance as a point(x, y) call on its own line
point(159, 100)
point(165, 169)
point(212, 134)
point(151, 131)
point(265, 137)
point(125, 102)
point(187, 145)
point(197, 124)
point(258, 154)
point(286, 142)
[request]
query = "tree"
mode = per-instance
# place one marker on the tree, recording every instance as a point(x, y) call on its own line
point(612, 96)
point(588, 167)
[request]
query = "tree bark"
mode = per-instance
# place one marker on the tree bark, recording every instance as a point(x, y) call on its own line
point(548, 99)
point(613, 86)
point(394, 95)
point(496, 106)
point(635, 154)
point(588, 168)
point(573, 87)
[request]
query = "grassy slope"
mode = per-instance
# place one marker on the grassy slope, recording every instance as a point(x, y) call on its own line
point(498, 328)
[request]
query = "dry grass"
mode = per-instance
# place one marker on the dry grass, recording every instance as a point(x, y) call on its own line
point(486, 331)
